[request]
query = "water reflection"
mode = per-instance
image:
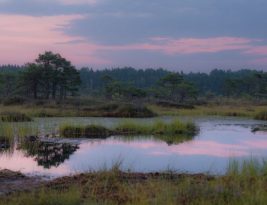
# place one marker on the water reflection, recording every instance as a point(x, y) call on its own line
point(218, 140)
point(48, 154)
point(6, 145)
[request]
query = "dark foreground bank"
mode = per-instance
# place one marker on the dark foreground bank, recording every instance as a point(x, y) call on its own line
point(244, 184)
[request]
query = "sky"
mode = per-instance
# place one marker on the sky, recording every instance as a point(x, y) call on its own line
point(188, 35)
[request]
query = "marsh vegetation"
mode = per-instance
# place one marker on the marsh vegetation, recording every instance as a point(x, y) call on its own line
point(174, 128)
point(243, 184)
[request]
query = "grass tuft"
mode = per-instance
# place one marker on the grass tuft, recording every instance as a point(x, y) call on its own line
point(174, 131)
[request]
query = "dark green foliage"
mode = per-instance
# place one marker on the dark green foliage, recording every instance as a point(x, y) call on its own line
point(51, 76)
point(4, 143)
point(14, 117)
point(90, 131)
point(48, 154)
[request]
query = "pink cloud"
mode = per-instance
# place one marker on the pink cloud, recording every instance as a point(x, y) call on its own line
point(73, 2)
point(191, 45)
point(28, 165)
point(209, 148)
point(258, 144)
point(23, 37)
point(257, 50)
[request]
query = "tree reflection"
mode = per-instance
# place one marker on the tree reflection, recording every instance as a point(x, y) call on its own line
point(49, 154)
point(6, 144)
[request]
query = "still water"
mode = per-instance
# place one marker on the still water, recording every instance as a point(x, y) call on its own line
point(219, 139)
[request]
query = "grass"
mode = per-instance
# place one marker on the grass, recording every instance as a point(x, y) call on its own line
point(69, 110)
point(14, 117)
point(100, 108)
point(11, 130)
point(159, 127)
point(262, 115)
point(245, 183)
point(250, 111)
point(90, 131)
point(174, 130)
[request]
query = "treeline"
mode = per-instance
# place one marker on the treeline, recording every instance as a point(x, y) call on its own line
point(51, 76)
point(217, 82)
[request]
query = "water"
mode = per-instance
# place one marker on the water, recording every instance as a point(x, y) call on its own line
point(219, 140)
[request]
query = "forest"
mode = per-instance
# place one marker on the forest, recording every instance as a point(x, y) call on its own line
point(51, 76)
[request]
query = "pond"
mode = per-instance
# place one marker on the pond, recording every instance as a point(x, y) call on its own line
point(219, 140)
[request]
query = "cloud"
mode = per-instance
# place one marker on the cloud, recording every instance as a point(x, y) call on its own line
point(77, 2)
point(257, 50)
point(192, 45)
point(23, 37)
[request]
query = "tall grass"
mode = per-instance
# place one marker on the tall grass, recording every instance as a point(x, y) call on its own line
point(175, 131)
point(248, 168)
point(159, 127)
point(245, 184)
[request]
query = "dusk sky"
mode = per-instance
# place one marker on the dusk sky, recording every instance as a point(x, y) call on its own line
point(188, 35)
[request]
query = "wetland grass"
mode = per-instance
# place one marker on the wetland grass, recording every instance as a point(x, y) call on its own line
point(232, 110)
point(244, 184)
point(93, 110)
point(14, 117)
point(172, 132)
point(261, 115)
